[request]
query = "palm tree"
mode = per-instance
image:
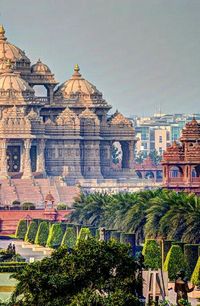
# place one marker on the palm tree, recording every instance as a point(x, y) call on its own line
point(135, 218)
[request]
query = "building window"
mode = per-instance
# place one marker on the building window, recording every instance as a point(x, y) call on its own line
point(160, 139)
point(160, 151)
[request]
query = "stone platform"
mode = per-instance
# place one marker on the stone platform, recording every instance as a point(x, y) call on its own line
point(35, 190)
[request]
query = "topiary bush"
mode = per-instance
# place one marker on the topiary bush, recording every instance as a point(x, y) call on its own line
point(42, 233)
point(31, 232)
point(129, 238)
point(115, 235)
point(152, 254)
point(195, 279)
point(175, 261)
point(21, 229)
point(16, 203)
point(166, 247)
point(69, 238)
point(28, 206)
point(84, 234)
point(55, 236)
point(61, 206)
point(191, 256)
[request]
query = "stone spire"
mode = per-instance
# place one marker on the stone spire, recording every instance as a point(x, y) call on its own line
point(2, 32)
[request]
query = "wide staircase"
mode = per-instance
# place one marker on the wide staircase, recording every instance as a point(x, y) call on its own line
point(8, 192)
point(35, 191)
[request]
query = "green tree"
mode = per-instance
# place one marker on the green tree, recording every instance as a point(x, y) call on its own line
point(84, 234)
point(195, 279)
point(155, 157)
point(21, 229)
point(140, 157)
point(31, 232)
point(92, 267)
point(61, 206)
point(152, 254)
point(55, 236)
point(115, 155)
point(28, 206)
point(174, 262)
point(69, 238)
point(42, 233)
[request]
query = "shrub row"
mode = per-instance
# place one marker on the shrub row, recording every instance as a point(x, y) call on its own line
point(179, 257)
point(12, 266)
point(53, 235)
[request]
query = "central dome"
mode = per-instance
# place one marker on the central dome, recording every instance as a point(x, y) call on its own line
point(9, 51)
point(77, 85)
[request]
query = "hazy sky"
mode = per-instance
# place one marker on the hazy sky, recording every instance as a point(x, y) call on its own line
point(139, 53)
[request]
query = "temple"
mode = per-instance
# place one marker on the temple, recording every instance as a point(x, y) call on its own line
point(181, 161)
point(66, 133)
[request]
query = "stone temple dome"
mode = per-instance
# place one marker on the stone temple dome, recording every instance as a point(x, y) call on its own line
point(11, 84)
point(77, 85)
point(40, 68)
point(9, 51)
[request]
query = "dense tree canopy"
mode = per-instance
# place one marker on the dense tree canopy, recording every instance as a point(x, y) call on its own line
point(150, 214)
point(93, 273)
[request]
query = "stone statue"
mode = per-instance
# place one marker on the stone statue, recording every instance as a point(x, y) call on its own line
point(181, 287)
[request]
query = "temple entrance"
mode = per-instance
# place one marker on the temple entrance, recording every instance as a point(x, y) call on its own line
point(33, 154)
point(13, 158)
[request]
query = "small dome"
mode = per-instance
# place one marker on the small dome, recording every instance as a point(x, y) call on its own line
point(9, 51)
point(49, 197)
point(40, 68)
point(77, 85)
point(13, 86)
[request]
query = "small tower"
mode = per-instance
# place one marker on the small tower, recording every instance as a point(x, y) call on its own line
point(49, 201)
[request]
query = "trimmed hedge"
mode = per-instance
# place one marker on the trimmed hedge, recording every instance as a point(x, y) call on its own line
point(94, 231)
point(28, 206)
point(69, 238)
point(195, 279)
point(31, 232)
point(191, 256)
point(152, 254)
point(42, 233)
point(180, 243)
point(21, 229)
point(55, 236)
point(115, 235)
point(175, 261)
point(166, 247)
point(129, 238)
point(12, 266)
point(84, 234)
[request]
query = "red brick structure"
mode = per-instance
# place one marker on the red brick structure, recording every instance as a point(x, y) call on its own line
point(181, 161)
point(9, 219)
point(148, 170)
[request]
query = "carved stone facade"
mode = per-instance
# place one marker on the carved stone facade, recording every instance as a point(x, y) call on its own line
point(67, 133)
point(181, 161)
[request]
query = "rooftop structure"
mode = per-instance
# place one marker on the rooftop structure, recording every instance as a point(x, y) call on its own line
point(181, 161)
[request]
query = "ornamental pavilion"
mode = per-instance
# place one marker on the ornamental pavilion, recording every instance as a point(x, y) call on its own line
point(66, 133)
point(181, 161)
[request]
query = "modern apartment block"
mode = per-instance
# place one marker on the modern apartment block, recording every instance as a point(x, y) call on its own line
point(159, 131)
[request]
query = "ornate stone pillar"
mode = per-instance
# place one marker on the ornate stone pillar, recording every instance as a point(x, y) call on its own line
point(131, 155)
point(166, 177)
point(27, 173)
point(41, 156)
point(50, 92)
point(3, 162)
